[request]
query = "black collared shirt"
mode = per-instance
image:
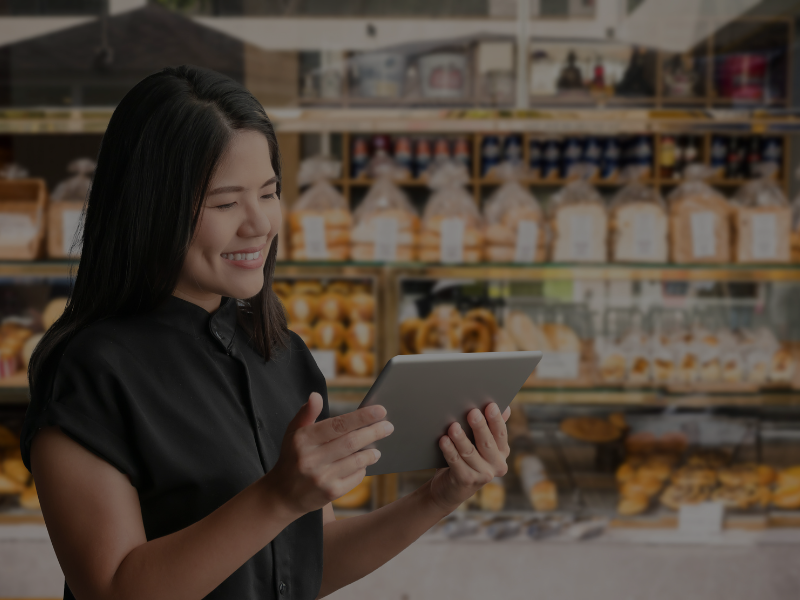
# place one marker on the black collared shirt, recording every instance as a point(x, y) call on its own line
point(180, 402)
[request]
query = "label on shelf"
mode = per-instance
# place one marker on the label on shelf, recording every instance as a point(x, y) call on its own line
point(385, 238)
point(765, 236)
point(704, 235)
point(558, 365)
point(527, 238)
point(314, 237)
point(70, 222)
point(16, 229)
point(644, 235)
point(705, 517)
point(326, 361)
point(452, 241)
point(580, 226)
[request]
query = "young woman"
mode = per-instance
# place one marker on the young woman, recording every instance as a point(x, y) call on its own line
point(177, 432)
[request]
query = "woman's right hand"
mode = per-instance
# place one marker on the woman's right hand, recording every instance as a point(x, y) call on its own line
point(320, 462)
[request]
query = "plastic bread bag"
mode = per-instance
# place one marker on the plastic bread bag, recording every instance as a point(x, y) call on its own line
point(639, 221)
point(77, 186)
point(708, 355)
point(320, 220)
point(451, 223)
point(386, 223)
point(700, 220)
point(579, 220)
point(665, 359)
point(762, 220)
point(514, 221)
point(636, 347)
point(612, 360)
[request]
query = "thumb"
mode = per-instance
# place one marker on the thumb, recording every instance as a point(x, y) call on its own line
point(308, 413)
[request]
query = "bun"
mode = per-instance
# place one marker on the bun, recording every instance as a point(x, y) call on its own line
point(331, 306)
point(361, 336)
point(328, 335)
point(301, 308)
point(361, 307)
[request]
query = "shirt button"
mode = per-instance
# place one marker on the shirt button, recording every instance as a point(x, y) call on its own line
point(282, 588)
point(216, 333)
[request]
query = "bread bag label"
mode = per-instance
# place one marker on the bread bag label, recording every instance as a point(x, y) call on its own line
point(314, 237)
point(765, 236)
point(385, 238)
point(326, 361)
point(704, 235)
point(452, 241)
point(581, 237)
point(16, 229)
point(70, 222)
point(644, 235)
point(527, 238)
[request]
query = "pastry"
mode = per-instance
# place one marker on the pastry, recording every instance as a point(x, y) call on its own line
point(361, 336)
point(408, 336)
point(526, 334)
point(782, 367)
point(331, 306)
point(504, 342)
point(301, 308)
point(695, 477)
point(493, 495)
point(787, 498)
point(633, 505)
point(743, 475)
point(361, 307)
point(544, 496)
point(305, 331)
point(789, 477)
point(343, 288)
point(612, 367)
point(590, 429)
point(308, 287)
point(328, 335)
point(676, 496)
point(283, 289)
point(358, 364)
point(626, 472)
point(475, 337)
point(641, 485)
point(711, 459)
point(561, 337)
point(741, 497)
point(484, 316)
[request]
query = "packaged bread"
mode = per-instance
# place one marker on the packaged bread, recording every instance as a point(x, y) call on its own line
point(320, 221)
point(514, 221)
point(579, 221)
point(452, 227)
point(639, 223)
point(386, 224)
point(700, 228)
point(762, 221)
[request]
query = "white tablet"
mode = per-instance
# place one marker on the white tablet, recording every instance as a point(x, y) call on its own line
point(423, 394)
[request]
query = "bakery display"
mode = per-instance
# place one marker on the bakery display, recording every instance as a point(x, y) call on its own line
point(700, 221)
point(515, 225)
point(579, 224)
point(320, 220)
point(445, 328)
point(452, 226)
point(638, 224)
point(592, 429)
point(762, 222)
point(336, 317)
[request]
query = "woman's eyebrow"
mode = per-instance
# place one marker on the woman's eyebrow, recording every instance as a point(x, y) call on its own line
point(238, 188)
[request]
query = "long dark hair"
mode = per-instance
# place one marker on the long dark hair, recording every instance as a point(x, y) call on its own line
point(156, 161)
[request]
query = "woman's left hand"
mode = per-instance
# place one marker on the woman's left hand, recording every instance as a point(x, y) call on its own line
point(471, 466)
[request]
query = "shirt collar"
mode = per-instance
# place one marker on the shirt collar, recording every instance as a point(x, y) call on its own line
point(197, 322)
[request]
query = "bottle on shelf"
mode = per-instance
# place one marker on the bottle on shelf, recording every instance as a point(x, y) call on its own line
point(572, 155)
point(753, 157)
point(535, 158)
point(360, 158)
point(461, 152)
point(610, 159)
point(512, 149)
point(690, 152)
point(667, 157)
point(422, 157)
point(719, 155)
point(551, 159)
point(490, 153)
point(772, 153)
point(402, 153)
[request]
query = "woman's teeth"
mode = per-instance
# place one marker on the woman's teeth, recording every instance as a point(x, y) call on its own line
point(247, 256)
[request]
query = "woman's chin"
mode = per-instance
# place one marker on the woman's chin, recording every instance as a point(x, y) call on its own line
point(245, 289)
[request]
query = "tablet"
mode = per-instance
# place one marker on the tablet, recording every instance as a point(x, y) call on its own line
point(423, 394)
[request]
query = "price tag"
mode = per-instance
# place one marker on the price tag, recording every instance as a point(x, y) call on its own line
point(70, 223)
point(16, 229)
point(580, 227)
point(644, 233)
point(705, 517)
point(385, 238)
point(558, 365)
point(765, 236)
point(452, 241)
point(527, 238)
point(314, 237)
point(704, 235)
point(326, 361)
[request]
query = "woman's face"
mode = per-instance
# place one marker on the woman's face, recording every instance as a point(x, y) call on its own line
point(240, 217)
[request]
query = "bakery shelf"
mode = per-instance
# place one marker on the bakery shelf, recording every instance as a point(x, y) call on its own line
point(654, 398)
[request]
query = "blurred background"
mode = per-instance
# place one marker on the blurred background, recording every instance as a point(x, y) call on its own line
point(614, 182)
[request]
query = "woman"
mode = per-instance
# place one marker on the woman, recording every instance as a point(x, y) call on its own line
point(178, 436)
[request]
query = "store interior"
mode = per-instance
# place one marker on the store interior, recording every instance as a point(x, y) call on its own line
point(568, 176)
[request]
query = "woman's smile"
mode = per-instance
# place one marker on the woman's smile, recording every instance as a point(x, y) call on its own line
point(246, 258)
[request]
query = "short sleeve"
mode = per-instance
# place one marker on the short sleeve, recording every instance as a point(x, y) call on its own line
point(87, 399)
point(318, 383)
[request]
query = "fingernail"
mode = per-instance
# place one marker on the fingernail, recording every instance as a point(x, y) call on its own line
point(376, 411)
point(458, 428)
point(377, 454)
point(446, 441)
point(493, 410)
point(475, 417)
point(387, 427)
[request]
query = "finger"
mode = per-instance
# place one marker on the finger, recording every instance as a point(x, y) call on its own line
point(307, 414)
point(347, 484)
point(506, 414)
point(354, 441)
point(461, 469)
point(345, 467)
point(466, 449)
point(497, 425)
point(336, 427)
point(484, 438)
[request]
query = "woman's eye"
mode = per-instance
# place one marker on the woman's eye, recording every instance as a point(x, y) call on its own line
point(226, 206)
point(269, 196)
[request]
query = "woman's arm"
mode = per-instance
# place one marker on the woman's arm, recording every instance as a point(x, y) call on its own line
point(357, 546)
point(95, 523)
